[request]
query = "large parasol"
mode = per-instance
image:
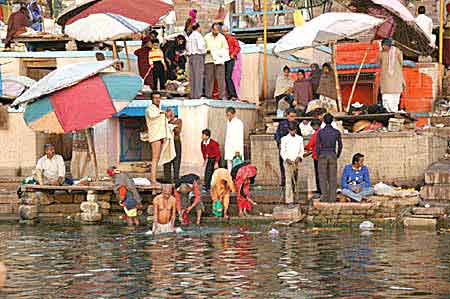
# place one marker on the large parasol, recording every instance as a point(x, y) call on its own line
point(148, 11)
point(327, 28)
point(407, 34)
point(82, 105)
point(107, 26)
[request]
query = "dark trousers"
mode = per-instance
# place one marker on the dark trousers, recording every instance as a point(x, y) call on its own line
point(159, 74)
point(209, 170)
point(328, 177)
point(282, 170)
point(175, 163)
point(231, 89)
point(316, 171)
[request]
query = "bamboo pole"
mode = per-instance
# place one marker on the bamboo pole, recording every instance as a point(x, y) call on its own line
point(350, 99)
point(92, 154)
point(264, 91)
point(441, 43)
point(336, 77)
point(115, 56)
point(128, 57)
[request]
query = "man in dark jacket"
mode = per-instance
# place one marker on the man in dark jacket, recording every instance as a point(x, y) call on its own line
point(327, 140)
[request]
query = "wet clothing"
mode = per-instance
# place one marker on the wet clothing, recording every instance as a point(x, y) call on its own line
point(245, 175)
point(184, 200)
point(125, 190)
point(221, 186)
point(163, 228)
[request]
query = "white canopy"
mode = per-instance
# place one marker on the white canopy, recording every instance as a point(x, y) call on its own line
point(61, 78)
point(325, 28)
point(103, 27)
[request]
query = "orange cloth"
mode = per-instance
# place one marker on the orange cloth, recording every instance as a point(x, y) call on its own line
point(122, 192)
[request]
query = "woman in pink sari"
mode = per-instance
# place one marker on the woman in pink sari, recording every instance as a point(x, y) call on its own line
point(245, 175)
point(236, 75)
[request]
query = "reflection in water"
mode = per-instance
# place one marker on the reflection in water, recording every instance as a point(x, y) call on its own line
point(222, 262)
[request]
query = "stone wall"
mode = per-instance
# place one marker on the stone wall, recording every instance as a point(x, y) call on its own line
point(380, 209)
point(20, 146)
point(73, 207)
point(391, 157)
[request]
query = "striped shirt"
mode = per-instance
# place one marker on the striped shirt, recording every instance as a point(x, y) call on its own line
point(156, 55)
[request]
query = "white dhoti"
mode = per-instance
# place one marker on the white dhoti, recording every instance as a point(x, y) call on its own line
point(163, 228)
point(391, 101)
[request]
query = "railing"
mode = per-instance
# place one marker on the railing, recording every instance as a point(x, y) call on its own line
point(253, 20)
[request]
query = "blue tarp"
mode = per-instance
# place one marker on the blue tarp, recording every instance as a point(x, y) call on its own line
point(137, 107)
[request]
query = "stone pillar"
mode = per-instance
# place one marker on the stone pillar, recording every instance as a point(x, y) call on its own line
point(90, 209)
point(29, 205)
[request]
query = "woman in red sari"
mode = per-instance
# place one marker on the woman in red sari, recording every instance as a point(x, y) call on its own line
point(244, 177)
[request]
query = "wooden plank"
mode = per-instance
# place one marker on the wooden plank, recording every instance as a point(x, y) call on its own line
point(83, 188)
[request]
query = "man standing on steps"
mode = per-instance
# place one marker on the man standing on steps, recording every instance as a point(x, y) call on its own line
point(326, 151)
point(234, 140)
point(392, 82)
point(217, 53)
point(292, 151)
point(196, 50)
point(282, 131)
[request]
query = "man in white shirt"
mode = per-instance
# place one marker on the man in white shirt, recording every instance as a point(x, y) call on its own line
point(196, 50)
point(426, 24)
point(292, 151)
point(234, 140)
point(50, 169)
point(217, 53)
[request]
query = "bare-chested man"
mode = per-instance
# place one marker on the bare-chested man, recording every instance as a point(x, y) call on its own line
point(2, 275)
point(164, 211)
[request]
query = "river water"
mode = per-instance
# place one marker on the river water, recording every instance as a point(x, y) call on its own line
point(223, 262)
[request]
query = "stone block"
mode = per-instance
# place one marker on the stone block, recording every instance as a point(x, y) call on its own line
point(89, 218)
point(79, 198)
point(103, 197)
point(104, 205)
point(27, 199)
point(438, 173)
point(89, 207)
point(6, 209)
point(435, 211)
point(436, 192)
point(425, 223)
point(28, 212)
point(286, 213)
point(44, 198)
point(60, 208)
point(9, 199)
point(63, 198)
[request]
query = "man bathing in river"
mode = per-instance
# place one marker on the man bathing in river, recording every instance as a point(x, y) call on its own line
point(2, 275)
point(164, 211)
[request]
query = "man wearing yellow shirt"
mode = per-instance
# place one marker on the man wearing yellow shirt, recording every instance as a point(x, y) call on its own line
point(156, 60)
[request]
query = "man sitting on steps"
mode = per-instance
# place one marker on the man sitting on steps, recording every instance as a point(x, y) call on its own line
point(355, 181)
point(50, 169)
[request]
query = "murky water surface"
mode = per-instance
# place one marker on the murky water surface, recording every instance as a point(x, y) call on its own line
point(223, 262)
